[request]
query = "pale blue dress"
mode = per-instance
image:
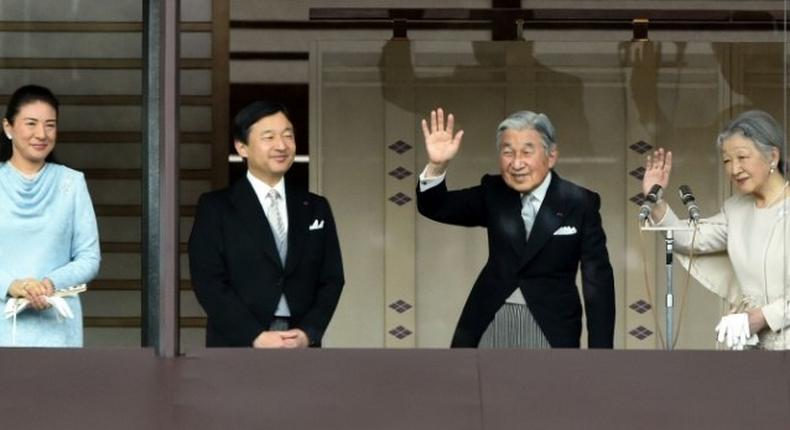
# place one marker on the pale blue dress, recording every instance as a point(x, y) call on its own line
point(47, 230)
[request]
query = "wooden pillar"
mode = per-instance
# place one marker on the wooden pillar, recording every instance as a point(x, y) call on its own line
point(160, 176)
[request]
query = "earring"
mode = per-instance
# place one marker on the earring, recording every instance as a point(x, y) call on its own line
point(773, 167)
point(8, 136)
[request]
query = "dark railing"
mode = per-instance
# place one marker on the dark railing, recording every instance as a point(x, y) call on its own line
point(509, 23)
point(691, 19)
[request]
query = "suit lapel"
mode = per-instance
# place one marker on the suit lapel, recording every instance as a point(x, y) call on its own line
point(550, 217)
point(254, 219)
point(298, 207)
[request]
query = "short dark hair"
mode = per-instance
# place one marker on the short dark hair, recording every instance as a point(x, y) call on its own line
point(22, 96)
point(251, 114)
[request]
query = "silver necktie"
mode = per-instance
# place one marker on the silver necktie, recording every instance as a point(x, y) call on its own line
point(528, 212)
point(278, 225)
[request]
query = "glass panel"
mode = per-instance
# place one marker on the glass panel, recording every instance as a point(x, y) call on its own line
point(612, 103)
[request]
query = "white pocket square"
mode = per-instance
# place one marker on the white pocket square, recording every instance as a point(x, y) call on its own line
point(317, 225)
point(565, 230)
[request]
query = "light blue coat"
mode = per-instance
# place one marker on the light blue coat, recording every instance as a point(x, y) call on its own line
point(47, 230)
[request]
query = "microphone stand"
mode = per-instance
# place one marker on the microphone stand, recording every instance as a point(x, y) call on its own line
point(669, 243)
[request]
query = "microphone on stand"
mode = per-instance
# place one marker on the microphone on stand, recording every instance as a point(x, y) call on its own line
point(687, 197)
point(650, 199)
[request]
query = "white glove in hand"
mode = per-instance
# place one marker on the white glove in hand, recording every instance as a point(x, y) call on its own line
point(733, 330)
point(14, 306)
point(60, 305)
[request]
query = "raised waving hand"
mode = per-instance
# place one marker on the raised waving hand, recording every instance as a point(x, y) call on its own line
point(657, 169)
point(440, 143)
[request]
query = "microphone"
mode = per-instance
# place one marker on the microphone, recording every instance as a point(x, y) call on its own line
point(691, 203)
point(650, 199)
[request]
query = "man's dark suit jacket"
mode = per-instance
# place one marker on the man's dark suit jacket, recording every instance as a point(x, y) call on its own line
point(236, 271)
point(544, 268)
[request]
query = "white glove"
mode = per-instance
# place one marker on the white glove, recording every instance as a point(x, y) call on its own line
point(60, 305)
point(734, 330)
point(16, 305)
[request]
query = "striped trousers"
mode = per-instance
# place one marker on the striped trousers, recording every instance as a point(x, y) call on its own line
point(514, 327)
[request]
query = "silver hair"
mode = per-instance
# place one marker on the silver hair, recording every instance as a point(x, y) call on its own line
point(762, 129)
point(526, 120)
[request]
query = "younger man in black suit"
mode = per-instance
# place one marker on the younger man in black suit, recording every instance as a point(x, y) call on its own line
point(264, 255)
point(540, 229)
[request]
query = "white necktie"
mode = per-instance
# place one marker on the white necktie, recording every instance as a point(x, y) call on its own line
point(276, 221)
point(528, 212)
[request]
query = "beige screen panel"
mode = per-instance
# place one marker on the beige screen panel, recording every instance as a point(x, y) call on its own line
point(77, 82)
point(270, 71)
point(195, 118)
point(610, 102)
point(196, 10)
point(99, 118)
point(119, 266)
point(195, 82)
point(117, 337)
point(106, 155)
point(105, 191)
point(98, 303)
point(119, 229)
point(82, 10)
point(351, 158)
point(70, 45)
point(102, 155)
point(195, 45)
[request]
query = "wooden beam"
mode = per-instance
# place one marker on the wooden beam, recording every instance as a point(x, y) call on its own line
point(132, 247)
point(91, 26)
point(124, 137)
point(135, 210)
point(134, 322)
point(354, 25)
point(127, 285)
point(189, 174)
point(116, 100)
point(92, 63)
point(604, 19)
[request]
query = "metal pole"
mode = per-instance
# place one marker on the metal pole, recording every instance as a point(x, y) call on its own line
point(670, 301)
point(160, 177)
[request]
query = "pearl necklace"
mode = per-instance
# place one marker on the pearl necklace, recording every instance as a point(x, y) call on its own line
point(778, 196)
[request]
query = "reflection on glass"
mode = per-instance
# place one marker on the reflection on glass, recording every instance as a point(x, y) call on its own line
point(612, 104)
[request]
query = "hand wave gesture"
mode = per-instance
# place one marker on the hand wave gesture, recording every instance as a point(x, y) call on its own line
point(440, 143)
point(657, 170)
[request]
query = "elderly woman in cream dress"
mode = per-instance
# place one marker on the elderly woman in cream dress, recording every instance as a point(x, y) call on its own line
point(743, 252)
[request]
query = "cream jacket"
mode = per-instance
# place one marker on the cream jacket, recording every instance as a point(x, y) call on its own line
point(742, 254)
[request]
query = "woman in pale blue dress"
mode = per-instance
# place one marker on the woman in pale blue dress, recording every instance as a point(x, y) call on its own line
point(48, 235)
